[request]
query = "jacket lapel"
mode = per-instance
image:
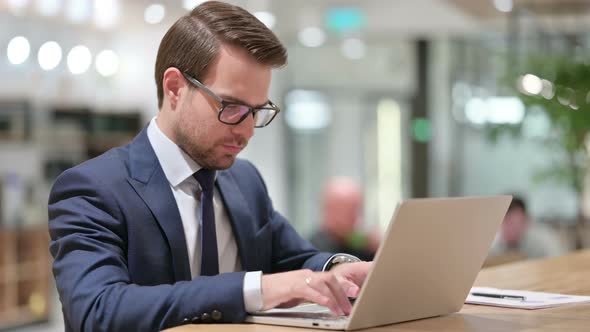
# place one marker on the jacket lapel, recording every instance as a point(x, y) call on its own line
point(242, 223)
point(150, 183)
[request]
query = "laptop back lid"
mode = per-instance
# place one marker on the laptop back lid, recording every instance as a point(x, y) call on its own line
point(429, 259)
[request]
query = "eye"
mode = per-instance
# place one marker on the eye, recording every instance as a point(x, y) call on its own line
point(233, 113)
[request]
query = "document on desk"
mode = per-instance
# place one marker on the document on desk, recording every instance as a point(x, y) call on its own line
point(519, 299)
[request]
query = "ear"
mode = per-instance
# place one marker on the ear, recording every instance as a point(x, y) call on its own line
point(174, 86)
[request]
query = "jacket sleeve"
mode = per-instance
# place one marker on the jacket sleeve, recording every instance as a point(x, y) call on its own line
point(88, 243)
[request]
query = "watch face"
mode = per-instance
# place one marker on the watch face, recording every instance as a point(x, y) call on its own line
point(339, 259)
point(345, 259)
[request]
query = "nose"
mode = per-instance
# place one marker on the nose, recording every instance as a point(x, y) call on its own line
point(244, 129)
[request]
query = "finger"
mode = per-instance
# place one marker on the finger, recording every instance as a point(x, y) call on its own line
point(290, 303)
point(318, 283)
point(354, 272)
point(338, 293)
point(353, 291)
point(328, 285)
point(314, 295)
point(350, 288)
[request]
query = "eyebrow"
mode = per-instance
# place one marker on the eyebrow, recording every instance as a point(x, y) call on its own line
point(239, 101)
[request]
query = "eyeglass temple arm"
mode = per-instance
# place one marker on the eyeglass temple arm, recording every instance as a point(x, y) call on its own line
point(202, 86)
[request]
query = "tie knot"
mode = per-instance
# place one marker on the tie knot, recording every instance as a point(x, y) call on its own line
point(206, 178)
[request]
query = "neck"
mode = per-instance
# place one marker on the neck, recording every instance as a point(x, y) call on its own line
point(165, 127)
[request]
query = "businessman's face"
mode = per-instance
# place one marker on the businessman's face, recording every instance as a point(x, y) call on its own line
point(234, 76)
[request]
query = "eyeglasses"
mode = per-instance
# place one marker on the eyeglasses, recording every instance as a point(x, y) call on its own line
point(233, 113)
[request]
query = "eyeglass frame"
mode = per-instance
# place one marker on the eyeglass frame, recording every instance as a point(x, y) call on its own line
point(224, 103)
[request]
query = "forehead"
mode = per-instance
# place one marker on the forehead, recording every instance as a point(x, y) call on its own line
point(235, 73)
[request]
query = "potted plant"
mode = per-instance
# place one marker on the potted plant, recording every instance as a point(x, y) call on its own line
point(559, 87)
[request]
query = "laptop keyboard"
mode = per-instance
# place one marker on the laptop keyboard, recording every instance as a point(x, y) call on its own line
point(308, 311)
point(313, 308)
point(307, 315)
point(319, 316)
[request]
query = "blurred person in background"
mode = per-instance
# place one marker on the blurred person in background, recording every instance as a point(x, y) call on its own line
point(342, 211)
point(174, 229)
point(520, 235)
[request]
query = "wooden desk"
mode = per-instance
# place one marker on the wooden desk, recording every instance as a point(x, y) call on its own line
point(566, 274)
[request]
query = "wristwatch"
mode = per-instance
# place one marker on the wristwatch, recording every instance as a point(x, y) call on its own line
point(339, 259)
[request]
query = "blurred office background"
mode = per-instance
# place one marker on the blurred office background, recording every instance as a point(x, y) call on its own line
point(422, 98)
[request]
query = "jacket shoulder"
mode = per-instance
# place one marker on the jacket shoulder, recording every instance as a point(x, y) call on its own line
point(111, 166)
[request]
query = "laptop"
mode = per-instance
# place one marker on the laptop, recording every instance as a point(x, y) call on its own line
point(425, 266)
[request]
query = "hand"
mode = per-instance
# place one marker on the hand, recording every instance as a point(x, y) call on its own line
point(292, 288)
point(330, 289)
point(352, 276)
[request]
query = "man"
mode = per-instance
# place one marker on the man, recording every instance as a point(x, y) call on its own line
point(148, 236)
point(342, 208)
point(518, 235)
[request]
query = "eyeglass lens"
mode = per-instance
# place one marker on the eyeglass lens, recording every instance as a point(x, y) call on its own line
point(234, 113)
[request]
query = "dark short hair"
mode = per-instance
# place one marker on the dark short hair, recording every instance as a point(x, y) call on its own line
point(517, 202)
point(194, 40)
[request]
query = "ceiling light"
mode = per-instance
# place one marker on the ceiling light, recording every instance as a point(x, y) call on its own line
point(312, 37)
point(48, 7)
point(191, 4)
point(154, 13)
point(107, 63)
point(49, 55)
point(18, 50)
point(353, 48)
point(78, 11)
point(106, 13)
point(79, 59)
point(267, 18)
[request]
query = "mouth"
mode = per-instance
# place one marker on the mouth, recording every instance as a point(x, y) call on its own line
point(235, 149)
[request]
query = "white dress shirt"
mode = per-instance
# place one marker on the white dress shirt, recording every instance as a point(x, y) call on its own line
point(179, 169)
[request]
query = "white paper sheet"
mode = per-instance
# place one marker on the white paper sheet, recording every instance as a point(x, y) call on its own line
point(533, 300)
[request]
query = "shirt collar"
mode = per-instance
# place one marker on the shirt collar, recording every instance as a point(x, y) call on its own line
point(176, 164)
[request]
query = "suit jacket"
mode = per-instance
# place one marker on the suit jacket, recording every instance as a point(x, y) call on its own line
point(120, 256)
